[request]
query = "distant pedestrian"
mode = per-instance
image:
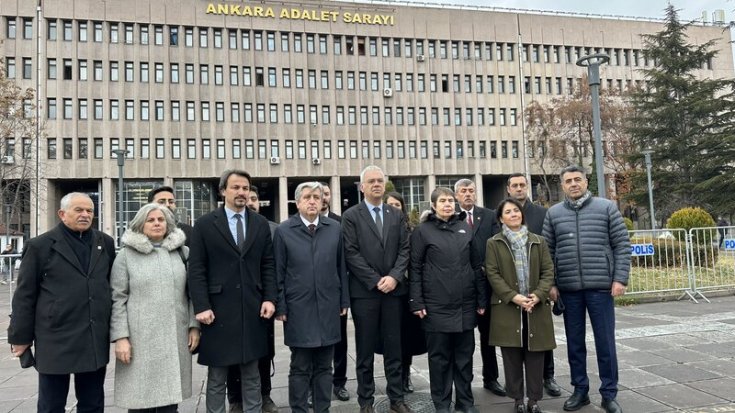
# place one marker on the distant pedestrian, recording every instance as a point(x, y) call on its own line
point(7, 262)
point(722, 222)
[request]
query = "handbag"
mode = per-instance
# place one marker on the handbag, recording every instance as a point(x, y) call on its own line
point(558, 308)
point(26, 359)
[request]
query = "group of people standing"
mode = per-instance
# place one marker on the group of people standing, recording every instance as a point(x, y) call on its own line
point(216, 288)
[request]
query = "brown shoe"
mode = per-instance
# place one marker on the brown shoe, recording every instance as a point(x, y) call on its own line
point(400, 407)
point(367, 409)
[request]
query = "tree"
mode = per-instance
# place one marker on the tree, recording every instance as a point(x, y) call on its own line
point(18, 168)
point(561, 132)
point(688, 122)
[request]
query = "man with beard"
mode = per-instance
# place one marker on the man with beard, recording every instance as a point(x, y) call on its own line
point(233, 288)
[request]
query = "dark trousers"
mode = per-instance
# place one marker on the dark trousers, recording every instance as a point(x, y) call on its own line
point(234, 389)
point(487, 352)
point(548, 364)
point(311, 369)
point(53, 390)
point(515, 359)
point(172, 408)
point(600, 306)
point(378, 319)
point(450, 363)
point(340, 355)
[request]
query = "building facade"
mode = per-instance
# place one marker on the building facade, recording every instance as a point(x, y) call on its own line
point(294, 91)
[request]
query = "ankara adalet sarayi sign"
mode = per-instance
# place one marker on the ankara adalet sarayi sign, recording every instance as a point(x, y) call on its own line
point(296, 13)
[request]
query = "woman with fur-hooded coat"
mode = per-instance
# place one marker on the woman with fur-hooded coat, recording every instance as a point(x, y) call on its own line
point(153, 324)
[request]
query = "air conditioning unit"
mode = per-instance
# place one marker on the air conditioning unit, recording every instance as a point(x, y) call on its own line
point(316, 161)
point(718, 17)
point(387, 92)
point(7, 160)
point(275, 160)
point(420, 58)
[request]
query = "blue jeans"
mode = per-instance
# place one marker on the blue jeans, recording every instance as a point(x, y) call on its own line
point(601, 308)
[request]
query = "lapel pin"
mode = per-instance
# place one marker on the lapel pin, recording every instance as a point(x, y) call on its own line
point(99, 247)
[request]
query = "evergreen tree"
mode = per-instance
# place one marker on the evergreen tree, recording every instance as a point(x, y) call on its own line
point(687, 120)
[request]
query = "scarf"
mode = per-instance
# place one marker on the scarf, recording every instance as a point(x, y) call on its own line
point(577, 204)
point(518, 240)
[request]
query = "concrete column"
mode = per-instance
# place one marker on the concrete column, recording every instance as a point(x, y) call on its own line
point(479, 190)
point(336, 189)
point(107, 214)
point(430, 185)
point(282, 199)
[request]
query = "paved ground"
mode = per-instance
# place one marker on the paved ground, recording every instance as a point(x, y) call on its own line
point(674, 357)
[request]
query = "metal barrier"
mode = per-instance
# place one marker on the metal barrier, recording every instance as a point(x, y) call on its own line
point(712, 258)
point(9, 271)
point(660, 263)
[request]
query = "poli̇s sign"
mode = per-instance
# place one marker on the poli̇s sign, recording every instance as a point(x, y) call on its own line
point(640, 250)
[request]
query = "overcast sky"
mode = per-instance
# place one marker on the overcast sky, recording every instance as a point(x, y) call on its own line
point(689, 9)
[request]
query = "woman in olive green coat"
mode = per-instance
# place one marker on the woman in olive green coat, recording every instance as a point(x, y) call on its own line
point(521, 273)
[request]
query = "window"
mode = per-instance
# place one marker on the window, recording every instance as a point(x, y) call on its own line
point(157, 36)
point(188, 37)
point(68, 108)
point(203, 37)
point(98, 32)
point(159, 72)
point(98, 70)
point(159, 115)
point(232, 38)
point(83, 109)
point(206, 149)
point(160, 148)
point(114, 109)
point(50, 66)
point(51, 107)
point(97, 109)
point(144, 72)
point(145, 148)
point(174, 73)
point(237, 149)
point(144, 35)
point(189, 75)
point(51, 148)
point(173, 39)
point(220, 149)
point(144, 110)
point(98, 148)
point(129, 35)
point(67, 31)
point(204, 74)
point(27, 68)
point(114, 71)
point(27, 28)
point(129, 109)
point(176, 148)
point(218, 75)
point(52, 30)
point(217, 38)
point(114, 33)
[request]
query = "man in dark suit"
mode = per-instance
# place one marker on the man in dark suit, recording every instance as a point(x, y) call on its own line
point(313, 293)
point(234, 387)
point(233, 290)
point(62, 306)
point(484, 225)
point(534, 216)
point(339, 379)
point(164, 195)
point(377, 254)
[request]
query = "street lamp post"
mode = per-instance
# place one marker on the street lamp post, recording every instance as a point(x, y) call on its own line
point(120, 193)
point(592, 63)
point(647, 153)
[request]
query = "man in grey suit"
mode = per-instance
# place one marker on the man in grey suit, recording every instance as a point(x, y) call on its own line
point(377, 254)
point(313, 293)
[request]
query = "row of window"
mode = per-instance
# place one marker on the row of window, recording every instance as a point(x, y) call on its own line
point(245, 39)
point(274, 113)
point(267, 149)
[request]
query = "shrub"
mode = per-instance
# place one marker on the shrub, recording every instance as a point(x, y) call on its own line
point(628, 223)
point(688, 218)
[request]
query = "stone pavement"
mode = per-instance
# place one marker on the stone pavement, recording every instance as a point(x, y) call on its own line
point(674, 357)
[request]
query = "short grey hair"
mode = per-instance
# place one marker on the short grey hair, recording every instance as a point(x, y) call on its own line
point(372, 168)
point(308, 185)
point(65, 203)
point(136, 224)
point(463, 183)
point(572, 168)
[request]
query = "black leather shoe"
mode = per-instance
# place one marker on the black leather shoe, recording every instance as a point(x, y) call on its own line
point(495, 388)
point(400, 407)
point(576, 401)
point(407, 385)
point(341, 393)
point(611, 406)
point(367, 409)
point(552, 389)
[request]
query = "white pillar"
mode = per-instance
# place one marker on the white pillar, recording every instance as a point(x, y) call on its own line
point(479, 190)
point(282, 199)
point(336, 190)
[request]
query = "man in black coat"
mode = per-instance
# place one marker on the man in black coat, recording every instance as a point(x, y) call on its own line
point(484, 225)
point(233, 290)
point(164, 195)
point(62, 306)
point(377, 254)
point(534, 216)
point(339, 375)
point(313, 293)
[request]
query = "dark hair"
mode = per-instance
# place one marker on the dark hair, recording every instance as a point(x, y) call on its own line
point(516, 175)
point(399, 197)
point(254, 188)
point(499, 211)
point(572, 168)
point(153, 192)
point(324, 184)
point(439, 191)
point(226, 176)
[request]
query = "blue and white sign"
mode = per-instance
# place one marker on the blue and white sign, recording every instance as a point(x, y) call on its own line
point(641, 250)
point(729, 244)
